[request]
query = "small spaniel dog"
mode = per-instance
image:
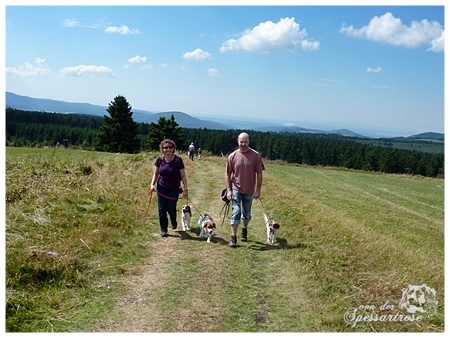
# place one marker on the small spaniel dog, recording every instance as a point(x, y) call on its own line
point(207, 226)
point(186, 217)
point(272, 229)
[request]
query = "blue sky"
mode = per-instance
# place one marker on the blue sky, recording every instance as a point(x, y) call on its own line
point(377, 70)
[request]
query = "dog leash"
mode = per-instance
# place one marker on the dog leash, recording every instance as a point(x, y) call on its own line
point(170, 198)
point(190, 201)
point(225, 207)
point(262, 204)
point(148, 206)
point(150, 201)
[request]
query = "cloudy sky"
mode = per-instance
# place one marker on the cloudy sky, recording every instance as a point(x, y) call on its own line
point(377, 70)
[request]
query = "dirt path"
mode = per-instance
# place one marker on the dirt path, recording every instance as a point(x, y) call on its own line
point(139, 308)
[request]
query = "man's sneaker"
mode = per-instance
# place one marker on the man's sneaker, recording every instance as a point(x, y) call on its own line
point(232, 244)
point(174, 226)
point(244, 235)
point(164, 234)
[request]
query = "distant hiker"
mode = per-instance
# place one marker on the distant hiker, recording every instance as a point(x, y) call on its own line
point(243, 170)
point(199, 151)
point(167, 174)
point(191, 151)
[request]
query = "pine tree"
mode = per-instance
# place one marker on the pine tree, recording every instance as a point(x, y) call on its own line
point(119, 132)
point(165, 128)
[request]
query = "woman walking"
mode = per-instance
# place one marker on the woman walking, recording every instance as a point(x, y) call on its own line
point(168, 173)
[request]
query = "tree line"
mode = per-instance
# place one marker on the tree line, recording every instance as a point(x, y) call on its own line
point(119, 133)
point(324, 150)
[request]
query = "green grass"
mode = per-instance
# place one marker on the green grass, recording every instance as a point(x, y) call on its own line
point(424, 145)
point(80, 257)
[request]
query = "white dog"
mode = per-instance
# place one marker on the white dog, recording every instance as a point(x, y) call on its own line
point(186, 217)
point(272, 229)
point(207, 226)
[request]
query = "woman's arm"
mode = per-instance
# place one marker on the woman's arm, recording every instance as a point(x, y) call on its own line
point(184, 180)
point(154, 178)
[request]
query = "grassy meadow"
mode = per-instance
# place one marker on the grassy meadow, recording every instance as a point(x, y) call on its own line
point(84, 254)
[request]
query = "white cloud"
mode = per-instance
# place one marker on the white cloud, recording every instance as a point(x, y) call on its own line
point(214, 72)
point(269, 37)
point(83, 70)
point(198, 55)
point(391, 30)
point(310, 45)
point(164, 65)
point(373, 70)
point(71, 23)
point(40, 61)
point(437, 45)
point(123, 30)
point(137, 59)
point(29, 70)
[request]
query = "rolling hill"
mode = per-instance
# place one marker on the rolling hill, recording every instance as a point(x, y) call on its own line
point(54, 106)
point(428, 137)
point(184, 120)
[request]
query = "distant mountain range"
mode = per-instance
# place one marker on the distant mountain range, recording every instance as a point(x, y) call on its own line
point(427, 137)
point(184, 120)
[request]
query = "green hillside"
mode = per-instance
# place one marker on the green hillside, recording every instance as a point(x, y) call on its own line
point(415, 157)
point(84, 254)
point(428, 136)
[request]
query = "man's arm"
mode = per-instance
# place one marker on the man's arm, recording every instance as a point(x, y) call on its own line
point(259, 178)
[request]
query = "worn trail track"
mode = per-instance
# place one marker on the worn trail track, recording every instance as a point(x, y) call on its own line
point(198, 290)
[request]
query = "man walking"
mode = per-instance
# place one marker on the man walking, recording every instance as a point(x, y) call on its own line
point(191, 151)
point(243, 172)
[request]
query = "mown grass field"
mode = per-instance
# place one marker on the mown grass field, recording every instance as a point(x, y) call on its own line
point(81, 257)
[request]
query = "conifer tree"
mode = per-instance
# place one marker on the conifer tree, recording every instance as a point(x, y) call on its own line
point(165, 128)
point(119, 132)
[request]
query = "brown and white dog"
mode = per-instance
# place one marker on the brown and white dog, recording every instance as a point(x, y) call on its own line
point(186, 217)
point(207, 226)
point(272, 229)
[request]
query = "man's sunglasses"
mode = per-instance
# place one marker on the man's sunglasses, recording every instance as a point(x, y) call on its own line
point(168, 147)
